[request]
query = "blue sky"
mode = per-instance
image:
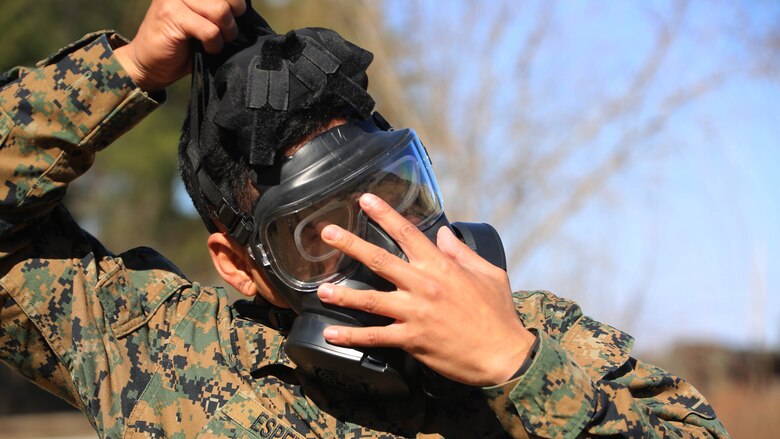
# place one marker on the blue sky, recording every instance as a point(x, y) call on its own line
point(708, 229)
point(683, 245)
point(696, 229)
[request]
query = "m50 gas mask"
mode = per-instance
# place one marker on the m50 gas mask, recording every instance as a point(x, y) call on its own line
point(318, 185)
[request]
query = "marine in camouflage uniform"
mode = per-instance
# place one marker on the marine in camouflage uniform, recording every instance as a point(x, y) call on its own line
point(145, 352)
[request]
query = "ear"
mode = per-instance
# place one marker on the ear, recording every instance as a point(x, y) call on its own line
point(231, 263)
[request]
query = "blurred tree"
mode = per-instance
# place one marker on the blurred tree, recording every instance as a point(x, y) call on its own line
point(33, 30)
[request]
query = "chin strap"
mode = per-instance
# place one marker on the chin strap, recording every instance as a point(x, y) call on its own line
point(280, 319)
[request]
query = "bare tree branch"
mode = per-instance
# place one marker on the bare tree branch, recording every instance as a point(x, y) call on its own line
point(623, 153)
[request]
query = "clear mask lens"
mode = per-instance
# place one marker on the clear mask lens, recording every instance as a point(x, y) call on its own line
point(308, 231)
point(406, 187)
point(300, 256)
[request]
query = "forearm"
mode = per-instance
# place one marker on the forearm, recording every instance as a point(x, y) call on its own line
point(52, 121)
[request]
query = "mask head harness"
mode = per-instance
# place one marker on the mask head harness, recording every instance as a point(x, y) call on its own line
point(250, 90)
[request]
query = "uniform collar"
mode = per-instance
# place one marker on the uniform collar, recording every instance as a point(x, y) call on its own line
point(255, 342)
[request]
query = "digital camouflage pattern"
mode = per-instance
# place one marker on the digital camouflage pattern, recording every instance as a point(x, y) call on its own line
point(146, 353)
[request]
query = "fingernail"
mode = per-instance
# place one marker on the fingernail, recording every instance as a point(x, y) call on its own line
point(330, 333)
point(369, 200)
point(325, 291)
point(444, 230)
point(331, 232)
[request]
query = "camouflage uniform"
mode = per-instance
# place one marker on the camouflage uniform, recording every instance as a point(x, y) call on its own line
point(144, 352)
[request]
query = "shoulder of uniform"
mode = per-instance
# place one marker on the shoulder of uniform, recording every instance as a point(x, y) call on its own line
point(135, 285)
point(596, 346)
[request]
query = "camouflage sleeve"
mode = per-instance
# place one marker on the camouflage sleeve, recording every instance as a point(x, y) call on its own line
point(53, 118)
point(52, 121)
point(582, 382)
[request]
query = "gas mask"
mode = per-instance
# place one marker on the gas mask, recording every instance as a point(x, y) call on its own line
point(248, 91)
point(320, 185)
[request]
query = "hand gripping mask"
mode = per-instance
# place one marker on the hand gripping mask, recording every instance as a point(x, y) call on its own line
point(249, 90)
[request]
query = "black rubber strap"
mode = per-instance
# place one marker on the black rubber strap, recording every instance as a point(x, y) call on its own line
point(267, 86)
point(528, 360)
point(277, 318)
point(231, 218)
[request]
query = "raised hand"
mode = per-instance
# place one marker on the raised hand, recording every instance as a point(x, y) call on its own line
point(161, 51)
point(453, 310)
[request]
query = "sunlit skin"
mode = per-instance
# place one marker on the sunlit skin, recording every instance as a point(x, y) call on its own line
point(453, 310)
point(448, 300)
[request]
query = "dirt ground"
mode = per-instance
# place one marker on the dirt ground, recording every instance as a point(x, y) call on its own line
point(68, 425)
point(749, 411)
